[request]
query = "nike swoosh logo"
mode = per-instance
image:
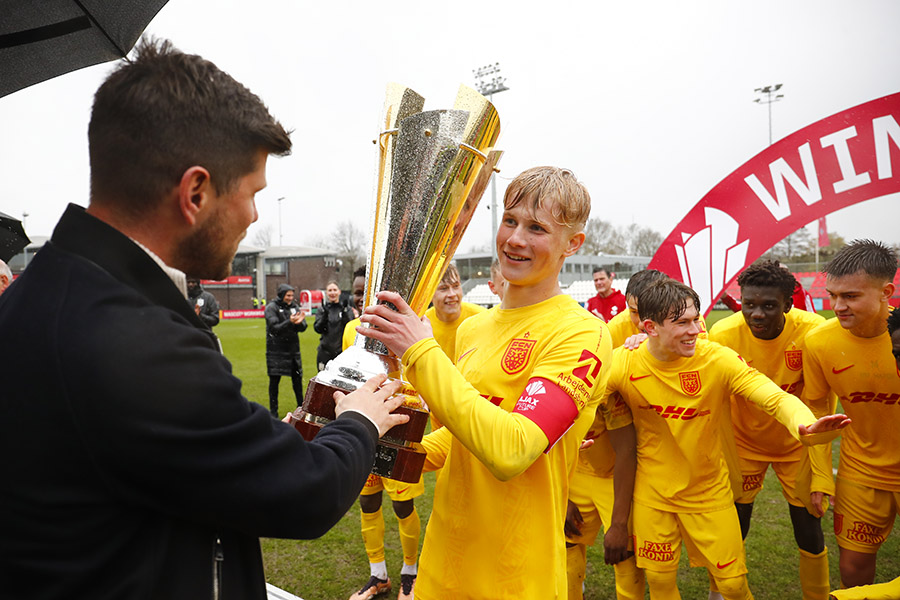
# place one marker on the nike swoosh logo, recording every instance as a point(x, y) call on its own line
point(402, 490)
point(721, 566)
point(633, 378)
point(836, 371)
point(466, 353)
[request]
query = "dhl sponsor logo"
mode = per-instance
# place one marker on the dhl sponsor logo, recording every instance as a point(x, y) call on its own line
point(865, 533)
point(884, 398)
point(657, 551)
point(677, 412)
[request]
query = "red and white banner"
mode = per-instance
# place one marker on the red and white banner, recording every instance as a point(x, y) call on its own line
point(243, 314)
point(839, 161)
point(232, 280)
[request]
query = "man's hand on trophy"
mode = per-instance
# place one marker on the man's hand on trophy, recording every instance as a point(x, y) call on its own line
point(397, 329)
point(375, 401)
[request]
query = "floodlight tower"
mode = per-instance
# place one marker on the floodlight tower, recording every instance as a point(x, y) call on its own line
point(280, 240)
point(489, 87)
point(770, 93)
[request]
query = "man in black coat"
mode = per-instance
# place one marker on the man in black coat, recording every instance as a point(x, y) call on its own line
point(133, 467)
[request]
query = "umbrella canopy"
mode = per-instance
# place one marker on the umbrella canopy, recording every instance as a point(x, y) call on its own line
point(42, 39)
point(12, 237)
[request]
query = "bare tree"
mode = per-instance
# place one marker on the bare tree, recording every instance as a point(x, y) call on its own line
point(263, 236)
point(642, 241)
point(794, 247)
point(350, 243)
point(602, 237)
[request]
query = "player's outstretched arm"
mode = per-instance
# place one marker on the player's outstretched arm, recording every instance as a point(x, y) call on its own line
point(506, 443)
point(615, 539)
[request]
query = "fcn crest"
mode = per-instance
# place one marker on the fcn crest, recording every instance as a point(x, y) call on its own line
point(690, 382)
point(793, 359)
point(517, 355)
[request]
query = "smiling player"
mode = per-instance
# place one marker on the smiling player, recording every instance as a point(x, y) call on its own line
point(851, 356)
point(530, 374)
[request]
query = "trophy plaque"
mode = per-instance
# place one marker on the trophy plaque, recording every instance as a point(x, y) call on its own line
point(433, 168)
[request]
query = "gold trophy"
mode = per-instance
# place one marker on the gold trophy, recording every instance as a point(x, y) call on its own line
point(433, 168)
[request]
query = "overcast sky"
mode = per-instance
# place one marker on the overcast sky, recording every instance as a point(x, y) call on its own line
point(650, 103)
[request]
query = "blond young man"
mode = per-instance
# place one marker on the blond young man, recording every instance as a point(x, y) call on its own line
point(530, 373)
point(681, 488)
point(851, 356)
point(769, 335)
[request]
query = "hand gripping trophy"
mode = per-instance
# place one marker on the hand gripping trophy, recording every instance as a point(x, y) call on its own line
point(433, 168)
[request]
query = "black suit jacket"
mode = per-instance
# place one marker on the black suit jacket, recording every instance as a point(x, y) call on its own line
point(131, 465)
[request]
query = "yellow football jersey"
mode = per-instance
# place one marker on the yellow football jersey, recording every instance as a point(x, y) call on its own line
point(621, 328)
point(864, 375)
point(445, 333)
point(350, 333)
point(677, 408)
point(526, 376)
point(757, 435)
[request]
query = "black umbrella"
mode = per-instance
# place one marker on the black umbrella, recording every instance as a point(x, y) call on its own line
point(40, 39)
point(12, 237)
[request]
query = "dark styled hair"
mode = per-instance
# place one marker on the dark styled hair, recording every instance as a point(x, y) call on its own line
point(873, 258)
point(164, 112)
point(601, 270)
point(664, 299)
point(893, 321)
point(641, 280)
point(450, 276)
point(770, 274)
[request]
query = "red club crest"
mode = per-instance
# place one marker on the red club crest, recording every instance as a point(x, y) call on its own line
point(517, 355)
point(690, 382)
point(793, 359)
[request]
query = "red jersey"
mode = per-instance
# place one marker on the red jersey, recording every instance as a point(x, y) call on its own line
point(607, 308)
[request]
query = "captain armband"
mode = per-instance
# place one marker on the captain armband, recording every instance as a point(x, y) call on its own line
point(546, 405)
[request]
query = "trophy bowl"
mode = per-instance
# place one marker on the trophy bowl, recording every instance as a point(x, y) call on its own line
point(433, 168)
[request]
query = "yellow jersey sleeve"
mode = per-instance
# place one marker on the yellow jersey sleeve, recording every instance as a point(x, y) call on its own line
point(437, 447)
point(349, 333)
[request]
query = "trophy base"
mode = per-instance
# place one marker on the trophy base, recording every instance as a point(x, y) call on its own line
point(319, 401)
point(393, 461)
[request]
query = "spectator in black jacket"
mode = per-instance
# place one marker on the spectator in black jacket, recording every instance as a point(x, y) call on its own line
point(205, 304)
point(284, 320)
point(331, 319)
point(140, 471)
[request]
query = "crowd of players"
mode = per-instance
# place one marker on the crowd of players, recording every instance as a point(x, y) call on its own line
point(681, 425)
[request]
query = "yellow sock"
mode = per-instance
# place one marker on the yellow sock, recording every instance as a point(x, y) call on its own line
point(629, 580)
point(814, 575)
point(410, 527)
point(372, 525)
point(663, 584)
point(734, 588)
point(576, 563)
